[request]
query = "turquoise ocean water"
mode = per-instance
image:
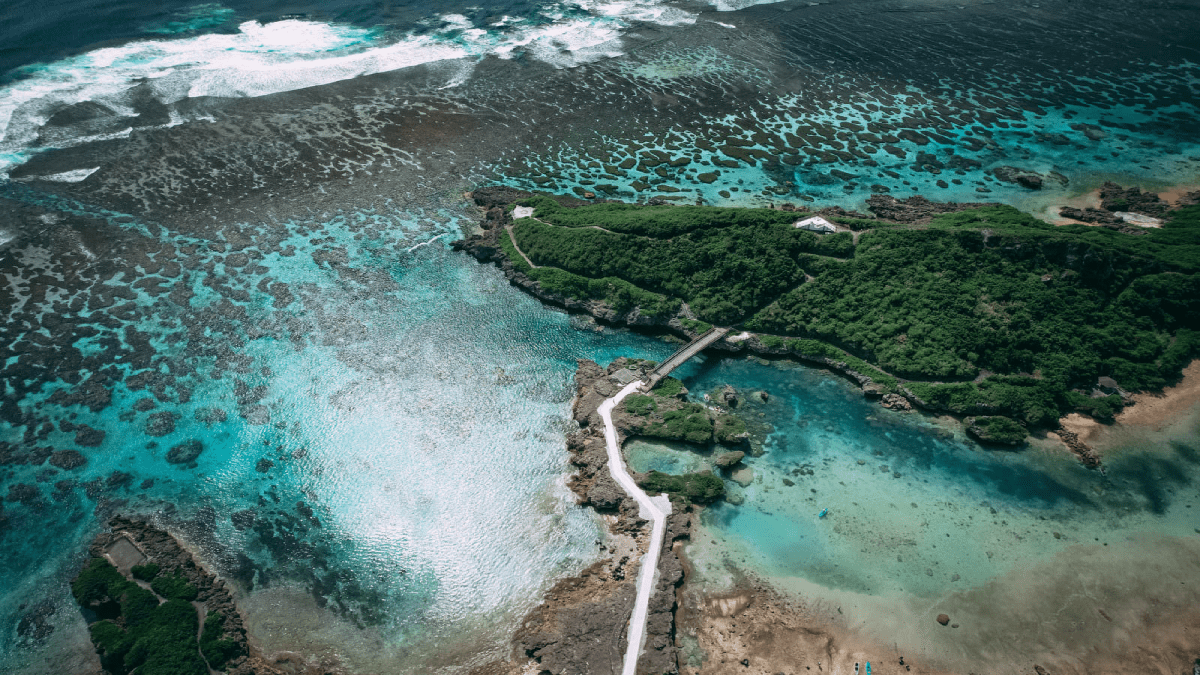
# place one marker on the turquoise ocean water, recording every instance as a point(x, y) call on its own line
point(227, 224)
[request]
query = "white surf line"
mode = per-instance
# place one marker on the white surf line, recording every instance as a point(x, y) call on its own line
point(649, 509)
point(426, 243)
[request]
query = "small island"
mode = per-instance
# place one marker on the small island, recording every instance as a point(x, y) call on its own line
point(970, 309)
point(152, 610)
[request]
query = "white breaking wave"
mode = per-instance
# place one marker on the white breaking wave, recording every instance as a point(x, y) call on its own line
point(73, 176)
point(735, 5)
point(291, 54)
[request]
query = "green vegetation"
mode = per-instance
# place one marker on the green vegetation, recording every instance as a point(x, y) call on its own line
point(690, 423)
point(217, 650)
point(640, 404)
point(729, 429)
point(175, 587)
point(701, 488)
point(999, 429)
point(618, 293)
point(696, 326)
point(137, 632)
point(723, 273)
point(144, 572)
point(1044, 310)
point(653, 221)
point(668, 387)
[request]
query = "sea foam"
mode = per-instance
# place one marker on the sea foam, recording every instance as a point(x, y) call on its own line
point(266, 58)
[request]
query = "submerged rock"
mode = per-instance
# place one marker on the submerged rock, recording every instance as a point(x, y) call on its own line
point(68, 459)
point(729, 459)
point(743, 476)
point(160, 424)
point(186, 452)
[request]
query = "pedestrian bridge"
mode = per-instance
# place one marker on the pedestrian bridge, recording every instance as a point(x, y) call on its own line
point(682, 355)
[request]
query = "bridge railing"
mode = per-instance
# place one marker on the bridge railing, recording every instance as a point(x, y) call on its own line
point(683, 349)
point(661, 370)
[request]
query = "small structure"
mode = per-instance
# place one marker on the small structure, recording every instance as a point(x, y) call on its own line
point(625, 376)
point(815, 224)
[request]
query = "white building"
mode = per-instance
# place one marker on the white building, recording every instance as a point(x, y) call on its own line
point(815, 224)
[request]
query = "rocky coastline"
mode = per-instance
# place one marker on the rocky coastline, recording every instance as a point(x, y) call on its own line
point(579, 628)
point(485, 247)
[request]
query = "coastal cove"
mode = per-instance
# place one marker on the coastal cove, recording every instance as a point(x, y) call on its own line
point(867, 581)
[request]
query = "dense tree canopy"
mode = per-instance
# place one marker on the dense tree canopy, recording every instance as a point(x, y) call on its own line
point(1038, 309)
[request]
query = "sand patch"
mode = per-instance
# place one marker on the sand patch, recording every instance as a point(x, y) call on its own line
point(1160, 409)
point(1130, 607)
point(1174, 194)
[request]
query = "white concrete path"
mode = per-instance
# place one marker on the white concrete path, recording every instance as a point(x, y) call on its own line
point(654, 509)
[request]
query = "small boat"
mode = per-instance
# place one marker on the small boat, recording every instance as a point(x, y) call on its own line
point(822, 513)
point(868, 668)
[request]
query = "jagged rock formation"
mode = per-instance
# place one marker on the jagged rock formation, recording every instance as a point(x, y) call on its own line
point(580, 627)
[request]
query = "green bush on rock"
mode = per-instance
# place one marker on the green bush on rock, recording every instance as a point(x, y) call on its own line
point(143, 636)
point(174, 586)
point(701, 488)
point(217, 650)
point(996, 429)
point(144, 572)
point(640, 404)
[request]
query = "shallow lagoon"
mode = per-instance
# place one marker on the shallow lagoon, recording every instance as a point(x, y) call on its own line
point(922, 517)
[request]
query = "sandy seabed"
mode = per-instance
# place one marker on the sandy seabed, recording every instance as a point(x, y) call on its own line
point(1127, 605)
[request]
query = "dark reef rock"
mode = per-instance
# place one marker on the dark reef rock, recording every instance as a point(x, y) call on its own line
point(160, 424)
point(1023, 177)
point(35, 625)
point(145, 404)
point(1087, 456)
point(1090, 215)
point(244, 519)
point(186, 452)
point(87, 437)
point(915, 209)
point(1113, 197)
point(68, 459)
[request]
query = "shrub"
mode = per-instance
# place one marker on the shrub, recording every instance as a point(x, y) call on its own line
point(701, 488)
point(174, 587)
point(217, 650)
point(668, 387)
point(94, 581)
point(144, 572)
point(690, 423)
point(1000, 429)
point(640, 404)
point(729, 429)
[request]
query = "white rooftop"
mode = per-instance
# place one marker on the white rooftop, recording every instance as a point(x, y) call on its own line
point(816, 224)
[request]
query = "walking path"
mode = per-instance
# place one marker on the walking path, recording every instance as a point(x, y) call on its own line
point(654, 509)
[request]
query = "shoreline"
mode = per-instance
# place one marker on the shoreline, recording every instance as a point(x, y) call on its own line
point(486, 247)
point(1156, 412)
